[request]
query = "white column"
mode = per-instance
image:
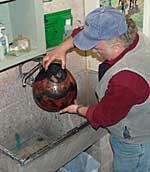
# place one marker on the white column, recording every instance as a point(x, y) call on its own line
point(90, 5)
point(146, 22)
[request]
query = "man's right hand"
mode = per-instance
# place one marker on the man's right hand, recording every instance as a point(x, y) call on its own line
point(54, 55)
point(58, 54)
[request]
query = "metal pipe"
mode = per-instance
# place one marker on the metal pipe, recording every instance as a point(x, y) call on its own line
point(29, 74)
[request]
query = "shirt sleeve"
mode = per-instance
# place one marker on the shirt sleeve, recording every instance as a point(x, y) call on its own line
point(125, 89)
point(76, 31)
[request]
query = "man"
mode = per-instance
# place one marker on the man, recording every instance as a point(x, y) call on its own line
point(124, 5)
point(123, 90)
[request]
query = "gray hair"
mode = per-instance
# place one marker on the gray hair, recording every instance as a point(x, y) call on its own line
point(127, 38)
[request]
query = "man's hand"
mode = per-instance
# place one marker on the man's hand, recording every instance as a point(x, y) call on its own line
point(70, 109)
point(75, 109)
point(58, 54)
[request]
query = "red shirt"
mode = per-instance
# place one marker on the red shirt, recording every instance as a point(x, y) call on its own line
point(125, 89)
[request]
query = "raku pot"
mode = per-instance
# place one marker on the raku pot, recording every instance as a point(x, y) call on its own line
point(54, 89)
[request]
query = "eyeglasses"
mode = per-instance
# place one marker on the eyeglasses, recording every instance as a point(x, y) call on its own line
point(104, 48)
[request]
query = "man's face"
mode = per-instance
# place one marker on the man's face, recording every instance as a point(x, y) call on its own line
point(103, 49)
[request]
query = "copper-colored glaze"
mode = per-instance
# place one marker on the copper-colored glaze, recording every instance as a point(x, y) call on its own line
point(54, 89)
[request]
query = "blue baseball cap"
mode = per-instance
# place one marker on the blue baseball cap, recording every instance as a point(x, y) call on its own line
point(101, 24)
